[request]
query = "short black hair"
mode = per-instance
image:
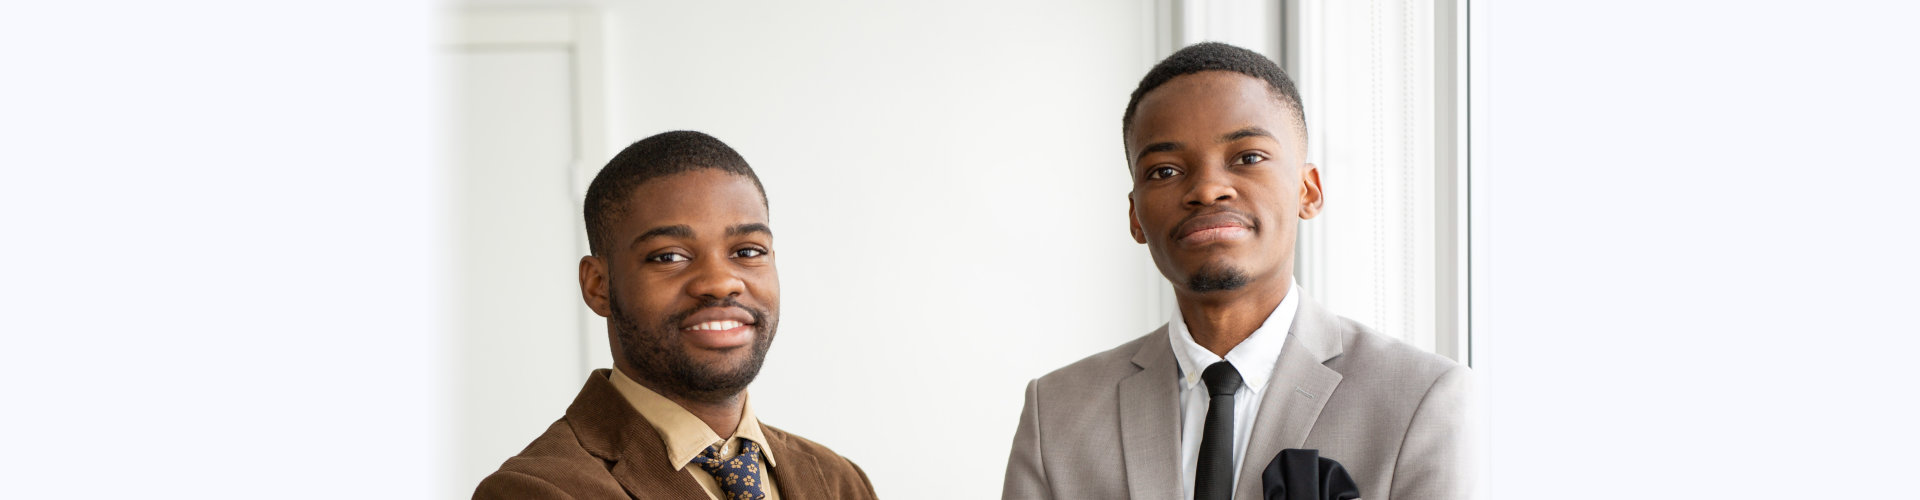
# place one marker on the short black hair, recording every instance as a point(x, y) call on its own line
point(661, 155)
point(1216, 56)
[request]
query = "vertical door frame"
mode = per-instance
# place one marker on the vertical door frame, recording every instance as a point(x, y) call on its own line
point(580, 33)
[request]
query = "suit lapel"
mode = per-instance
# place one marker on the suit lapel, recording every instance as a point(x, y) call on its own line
point(1300, 387)
point(644, 477)
point(798, 475)
point(609, 428)
point(1149, 434)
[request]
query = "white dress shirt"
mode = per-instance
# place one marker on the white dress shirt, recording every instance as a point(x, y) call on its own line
point(1253, 358)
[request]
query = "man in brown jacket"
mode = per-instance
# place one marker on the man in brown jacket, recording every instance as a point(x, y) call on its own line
point(682, 268)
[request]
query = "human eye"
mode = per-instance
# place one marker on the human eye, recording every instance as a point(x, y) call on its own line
point(1161, 172)
point(1249, 158)
point(667, 257)
point(748, 253)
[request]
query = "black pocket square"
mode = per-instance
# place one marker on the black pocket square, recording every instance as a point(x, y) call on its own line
point(1297, 474)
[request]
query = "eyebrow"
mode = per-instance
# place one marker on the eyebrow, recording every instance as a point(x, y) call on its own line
point(676, 231)
point(685, 231)
point(1245, 133)
point(1169, 146)
point(750, 227)
point(1158, 147)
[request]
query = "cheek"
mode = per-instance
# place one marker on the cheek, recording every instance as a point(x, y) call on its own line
point(1286, 187)
point(1154, 207)
point(765, 284)
point(648, 294)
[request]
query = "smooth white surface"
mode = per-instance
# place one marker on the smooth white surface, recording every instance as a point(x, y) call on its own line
point(1694, 256)
point(1250, 24)
point(219, 240)
point(516, 331)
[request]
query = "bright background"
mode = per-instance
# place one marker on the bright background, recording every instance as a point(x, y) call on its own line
point(231, 255)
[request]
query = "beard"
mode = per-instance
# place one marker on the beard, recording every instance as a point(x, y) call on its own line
point(1213, 278)
point(665, 364)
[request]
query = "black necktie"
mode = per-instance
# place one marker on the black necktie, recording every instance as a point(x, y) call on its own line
point(1213, 476)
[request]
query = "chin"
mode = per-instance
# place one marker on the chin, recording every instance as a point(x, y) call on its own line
point(1215, 263)
point(722, 360)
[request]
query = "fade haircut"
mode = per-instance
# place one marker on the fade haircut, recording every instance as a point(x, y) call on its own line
point(1216, 56)
point(651, 158)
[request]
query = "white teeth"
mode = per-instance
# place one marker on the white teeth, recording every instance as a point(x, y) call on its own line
point(716, 326)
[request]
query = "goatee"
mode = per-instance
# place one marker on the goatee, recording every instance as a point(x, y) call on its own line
point(1217, 279)
point(664, 364)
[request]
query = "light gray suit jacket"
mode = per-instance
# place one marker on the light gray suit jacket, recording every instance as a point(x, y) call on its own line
point(1393, 415)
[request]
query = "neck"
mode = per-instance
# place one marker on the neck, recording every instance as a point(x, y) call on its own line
point(1219, 321)
point(723, 416)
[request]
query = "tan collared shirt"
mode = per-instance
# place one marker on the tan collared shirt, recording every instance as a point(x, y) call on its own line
point(687, 436)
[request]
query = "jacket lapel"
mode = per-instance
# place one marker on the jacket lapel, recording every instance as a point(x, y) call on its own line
point(1300, 387)
point(645, 478)
point(610, 429)
point(798, 475)
point(1149, 436)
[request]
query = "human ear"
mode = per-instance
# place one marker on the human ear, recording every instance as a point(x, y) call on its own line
point(1310, 195)
point(1133, 222)
point(593, 285)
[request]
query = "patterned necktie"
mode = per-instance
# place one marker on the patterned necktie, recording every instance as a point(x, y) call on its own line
point(1213, 475)
point(738, 477)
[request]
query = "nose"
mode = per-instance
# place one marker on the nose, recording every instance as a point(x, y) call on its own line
point(1209, 185)
point(715, 279)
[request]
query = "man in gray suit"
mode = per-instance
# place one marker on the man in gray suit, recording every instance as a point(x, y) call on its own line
point(1248, 366)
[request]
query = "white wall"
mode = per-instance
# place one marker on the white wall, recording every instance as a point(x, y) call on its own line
point(949, 197)
point(1694, 256)
point(516, 344)
point(948, 190)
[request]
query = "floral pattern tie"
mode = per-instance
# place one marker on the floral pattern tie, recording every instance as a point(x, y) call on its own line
point(739, 477)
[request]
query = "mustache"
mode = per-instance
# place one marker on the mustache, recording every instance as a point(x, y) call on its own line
point(759, 316)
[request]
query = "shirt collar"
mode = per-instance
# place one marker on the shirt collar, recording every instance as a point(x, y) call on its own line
point(1253, 357)
point(685, 435)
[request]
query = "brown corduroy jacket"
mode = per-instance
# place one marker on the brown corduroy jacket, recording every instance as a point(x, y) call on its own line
point(602, 448)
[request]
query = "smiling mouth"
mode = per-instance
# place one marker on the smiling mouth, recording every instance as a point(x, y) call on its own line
point(720, 335)
point(715, 326)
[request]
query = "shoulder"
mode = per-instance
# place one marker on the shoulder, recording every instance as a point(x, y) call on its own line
point(1393, 368)
point(1072, 399)
point(510, 484)
point(553, 466)
point(1403, 414)
point(1102, 369)
point(841, 477)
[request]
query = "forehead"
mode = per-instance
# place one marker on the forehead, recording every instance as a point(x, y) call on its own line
point(702, 199)
point(1207, 104)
